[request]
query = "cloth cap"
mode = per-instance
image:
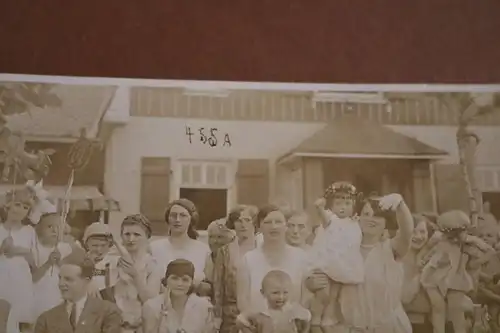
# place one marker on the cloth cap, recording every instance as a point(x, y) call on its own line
point(180, 267)
point(454, 219)
point(96, 229)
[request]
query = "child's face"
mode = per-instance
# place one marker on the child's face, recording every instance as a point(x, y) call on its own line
point(17, 211)
point(276, 292)
point(179, 285)
point(490, 236)
point(98, 247)
point(420, 235)
point(49, 228)
point(342, 206)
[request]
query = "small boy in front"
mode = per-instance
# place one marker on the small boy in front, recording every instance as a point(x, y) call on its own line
point(280, 316)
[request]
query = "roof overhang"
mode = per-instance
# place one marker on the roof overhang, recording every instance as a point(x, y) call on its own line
point(292, 157)
point(353, 137)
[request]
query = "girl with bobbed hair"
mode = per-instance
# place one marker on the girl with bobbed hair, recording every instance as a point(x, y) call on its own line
point(182, 242)
point(178, 308)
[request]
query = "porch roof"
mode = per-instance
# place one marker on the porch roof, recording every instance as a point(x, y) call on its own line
point(82, 107)
point(350, 137)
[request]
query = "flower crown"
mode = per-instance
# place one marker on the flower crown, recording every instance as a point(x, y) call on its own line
point(341, 187)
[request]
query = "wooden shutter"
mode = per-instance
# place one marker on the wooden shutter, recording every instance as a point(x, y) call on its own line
point(155, 190)
point(450, 188)
point(252, 182)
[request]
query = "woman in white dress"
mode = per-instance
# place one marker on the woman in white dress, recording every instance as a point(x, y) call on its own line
point(16, 260)
point(48, 253)
point(273, 254)
point(181, 243)
point(375, 305)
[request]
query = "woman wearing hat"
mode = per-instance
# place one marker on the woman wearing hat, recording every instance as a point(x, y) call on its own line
point(178, 308)
point(181, 216)
point(16, 259)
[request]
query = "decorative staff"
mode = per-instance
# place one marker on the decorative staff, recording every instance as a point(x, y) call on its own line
point(79, 156)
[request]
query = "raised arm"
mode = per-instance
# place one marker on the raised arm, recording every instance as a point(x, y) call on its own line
point(401, 242)
point(150, 287)
point(320, 205)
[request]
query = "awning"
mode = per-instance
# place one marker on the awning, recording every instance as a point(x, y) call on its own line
point(82, 107)
point(82, 197)
point(351, 137)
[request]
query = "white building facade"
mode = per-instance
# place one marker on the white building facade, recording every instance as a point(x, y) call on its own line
point(253, 147)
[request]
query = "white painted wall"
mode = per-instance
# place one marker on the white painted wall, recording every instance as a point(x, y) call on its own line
point(157, 137)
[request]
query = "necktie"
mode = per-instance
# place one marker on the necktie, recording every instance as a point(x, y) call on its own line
point(72, 316)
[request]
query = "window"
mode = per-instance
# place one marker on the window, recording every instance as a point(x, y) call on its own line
point(488, 178)
point(204, 174)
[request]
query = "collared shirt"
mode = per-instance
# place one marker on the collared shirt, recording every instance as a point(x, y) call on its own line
point(79, 307)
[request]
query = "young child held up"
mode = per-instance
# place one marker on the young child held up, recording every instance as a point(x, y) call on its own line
point(98, 241)
point(280, 316)
point(337, 254)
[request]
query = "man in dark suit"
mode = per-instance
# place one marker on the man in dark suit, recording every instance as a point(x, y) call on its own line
point(79, 313)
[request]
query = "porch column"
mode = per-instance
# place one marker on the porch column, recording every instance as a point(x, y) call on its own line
point(422, 187)
point(313, 181)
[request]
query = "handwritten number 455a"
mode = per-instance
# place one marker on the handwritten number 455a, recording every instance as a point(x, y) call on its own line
point(208, 136)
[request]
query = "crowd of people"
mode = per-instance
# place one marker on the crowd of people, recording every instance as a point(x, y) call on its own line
point(369, 265)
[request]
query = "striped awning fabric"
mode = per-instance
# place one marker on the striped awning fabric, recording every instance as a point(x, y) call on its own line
point(81, 197)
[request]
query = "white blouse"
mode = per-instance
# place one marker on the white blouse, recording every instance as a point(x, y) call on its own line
point(195, 251)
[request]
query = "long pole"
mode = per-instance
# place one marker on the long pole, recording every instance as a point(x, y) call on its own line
point(65, 209)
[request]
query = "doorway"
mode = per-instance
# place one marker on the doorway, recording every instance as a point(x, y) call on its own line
point(493, 200)
point(211, 204)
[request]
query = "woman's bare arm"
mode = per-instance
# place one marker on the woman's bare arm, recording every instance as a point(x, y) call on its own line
point(320, 205)
point(149, 320)
point(401, 242)
point(149, 287)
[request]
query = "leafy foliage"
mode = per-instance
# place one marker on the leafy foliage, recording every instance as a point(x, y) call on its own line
point(18, 98)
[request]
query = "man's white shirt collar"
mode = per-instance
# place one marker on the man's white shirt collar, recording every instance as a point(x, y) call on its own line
point(80, 304)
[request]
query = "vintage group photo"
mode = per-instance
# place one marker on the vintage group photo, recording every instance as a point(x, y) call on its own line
point(157, 206)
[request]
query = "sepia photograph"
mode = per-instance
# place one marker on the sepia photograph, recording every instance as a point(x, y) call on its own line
point(164, 206)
